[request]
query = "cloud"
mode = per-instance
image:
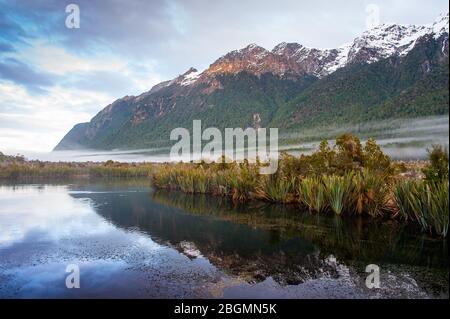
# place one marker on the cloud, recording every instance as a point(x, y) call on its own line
point(52, 77)
point(11, 30)
point(37, 122)
point(20, 73)
point(179, 34)
point(6, 47)
point(60, 61)
point(101, 81)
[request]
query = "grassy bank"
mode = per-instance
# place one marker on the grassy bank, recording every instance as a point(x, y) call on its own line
point(13, 168)
point(347, 179)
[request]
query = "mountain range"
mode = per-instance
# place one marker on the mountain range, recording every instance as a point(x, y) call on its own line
point(390, 71)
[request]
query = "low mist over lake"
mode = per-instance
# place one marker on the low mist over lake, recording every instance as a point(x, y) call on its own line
point(400, 139)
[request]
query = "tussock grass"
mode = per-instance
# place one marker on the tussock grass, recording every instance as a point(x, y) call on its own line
point(312, 194)
point(370, 193)
point(277, 189)
point(425, 203)
point(339, 191)
point(349, 179)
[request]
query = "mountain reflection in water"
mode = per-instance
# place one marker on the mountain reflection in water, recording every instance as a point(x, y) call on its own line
point(258, 240)
point(132, 241)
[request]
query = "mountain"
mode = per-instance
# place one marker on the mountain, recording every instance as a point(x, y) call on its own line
point(390, 71)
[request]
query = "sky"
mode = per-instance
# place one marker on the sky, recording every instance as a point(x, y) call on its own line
point(53, 77)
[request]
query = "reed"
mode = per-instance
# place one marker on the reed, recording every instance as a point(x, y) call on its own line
point(185, 180)
point(33, 170)
point(202, 183)
point(425, 203)
point(339, 191)
point(439, 208)
point(312, 194)
point(220, 183)
point(243, 184)
point(403, 196)
point(366, 193)
point(276, 189)
point(370, 193)
point(121, 171)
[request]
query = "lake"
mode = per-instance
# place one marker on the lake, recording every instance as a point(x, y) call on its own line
point(130, 241)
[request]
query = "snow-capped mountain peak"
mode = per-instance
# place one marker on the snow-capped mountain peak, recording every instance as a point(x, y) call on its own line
point(190, 77)
point(441, 25)
point(388, 39)
point(380, 42)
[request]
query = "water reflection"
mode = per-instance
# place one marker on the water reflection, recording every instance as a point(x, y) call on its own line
point(258, 240)
point(134, 242)
point(251, 252)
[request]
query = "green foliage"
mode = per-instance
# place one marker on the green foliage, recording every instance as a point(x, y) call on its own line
point(349, 178)
point(426, 203)
point(17, 167)
point(403, 192)
point(349, 151)
point(348, 155)
point(244, 183)
point(339, 191)
point(370, 193)
point(438, 207)
point(438, 168)
point(312, 194)
point(375, 160)
point(276, 189)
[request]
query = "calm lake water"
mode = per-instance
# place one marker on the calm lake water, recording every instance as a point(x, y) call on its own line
point(133, 242)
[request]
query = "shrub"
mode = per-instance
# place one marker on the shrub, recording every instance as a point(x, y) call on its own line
point(438, 168)
point(375, 160)
point(348, 154)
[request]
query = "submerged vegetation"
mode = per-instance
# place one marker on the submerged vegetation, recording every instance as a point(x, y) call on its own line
point(345, 179)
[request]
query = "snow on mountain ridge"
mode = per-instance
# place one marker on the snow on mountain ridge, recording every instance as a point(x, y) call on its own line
point(378, 43)
point(189, 77)
point(441, 25)
point(373, 45)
